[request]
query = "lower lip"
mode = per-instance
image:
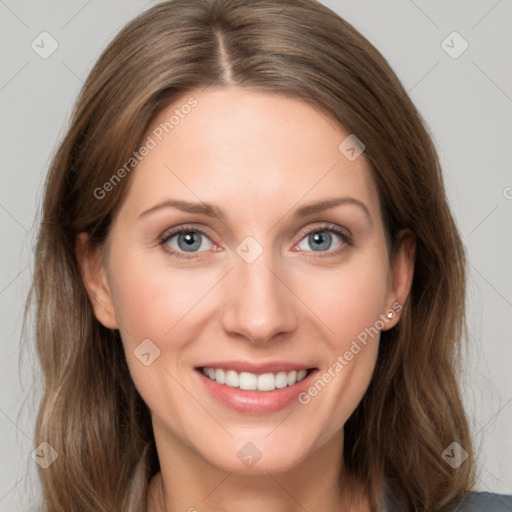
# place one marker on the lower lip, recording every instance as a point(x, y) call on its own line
point(256, 402)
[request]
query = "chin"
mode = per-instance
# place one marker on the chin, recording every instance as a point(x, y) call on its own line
point(254, 455)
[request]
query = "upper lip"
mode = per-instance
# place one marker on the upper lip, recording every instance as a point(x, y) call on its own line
point(257, 368)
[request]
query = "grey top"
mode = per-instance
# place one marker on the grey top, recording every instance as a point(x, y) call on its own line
point(472, 502)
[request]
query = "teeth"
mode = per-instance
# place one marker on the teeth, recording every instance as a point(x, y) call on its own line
point(220, 376)
point(232, 379)
point(281, 380)
point(266, 382)
point(292, 378)
point(248, 381)
point(252, 382)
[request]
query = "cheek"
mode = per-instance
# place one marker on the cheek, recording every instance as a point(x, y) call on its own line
point(154, 306)
point(348, 301)
point(151, 300)
point(165, 306)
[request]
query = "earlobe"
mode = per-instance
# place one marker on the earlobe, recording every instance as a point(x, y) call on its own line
point(402, 273)
point(95, 281)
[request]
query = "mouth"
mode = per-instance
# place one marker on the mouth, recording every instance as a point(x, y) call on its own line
point(254, 389)
point(248, 381)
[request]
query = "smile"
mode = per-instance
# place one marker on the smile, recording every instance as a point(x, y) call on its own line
point(255, 382)
point(255, 388)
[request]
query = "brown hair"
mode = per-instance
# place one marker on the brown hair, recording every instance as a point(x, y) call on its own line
point(91, 413)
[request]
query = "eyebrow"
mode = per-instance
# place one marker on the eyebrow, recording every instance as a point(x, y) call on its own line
point(213, 211)
point(187, 206)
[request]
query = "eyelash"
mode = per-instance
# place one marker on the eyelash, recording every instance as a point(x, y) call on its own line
point(346, 240)
point(169, 235)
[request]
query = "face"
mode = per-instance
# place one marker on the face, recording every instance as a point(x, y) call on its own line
point(248, 273)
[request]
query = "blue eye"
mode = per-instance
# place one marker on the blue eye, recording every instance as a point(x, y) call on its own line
point(323, 239)
point(186, 240)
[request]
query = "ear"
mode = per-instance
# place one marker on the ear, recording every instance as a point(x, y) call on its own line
point(402, 271)
point(94, 277)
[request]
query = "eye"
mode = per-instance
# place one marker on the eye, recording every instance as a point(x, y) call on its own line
point(186, 240)
point(324, 238)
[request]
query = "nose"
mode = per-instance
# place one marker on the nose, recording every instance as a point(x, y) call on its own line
point(259, 304)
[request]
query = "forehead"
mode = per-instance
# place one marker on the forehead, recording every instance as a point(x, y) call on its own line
point(246, 149)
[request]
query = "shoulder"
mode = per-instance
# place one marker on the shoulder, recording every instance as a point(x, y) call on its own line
point(484, 501)
point(471, 502)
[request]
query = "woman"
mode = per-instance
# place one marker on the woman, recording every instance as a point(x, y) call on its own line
point(249, 285)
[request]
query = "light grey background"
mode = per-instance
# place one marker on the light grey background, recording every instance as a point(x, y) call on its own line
point(466, 101)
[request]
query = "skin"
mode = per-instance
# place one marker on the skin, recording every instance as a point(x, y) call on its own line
point(258, 157)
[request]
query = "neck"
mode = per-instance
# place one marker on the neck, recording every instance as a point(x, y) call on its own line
point(189, 483)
